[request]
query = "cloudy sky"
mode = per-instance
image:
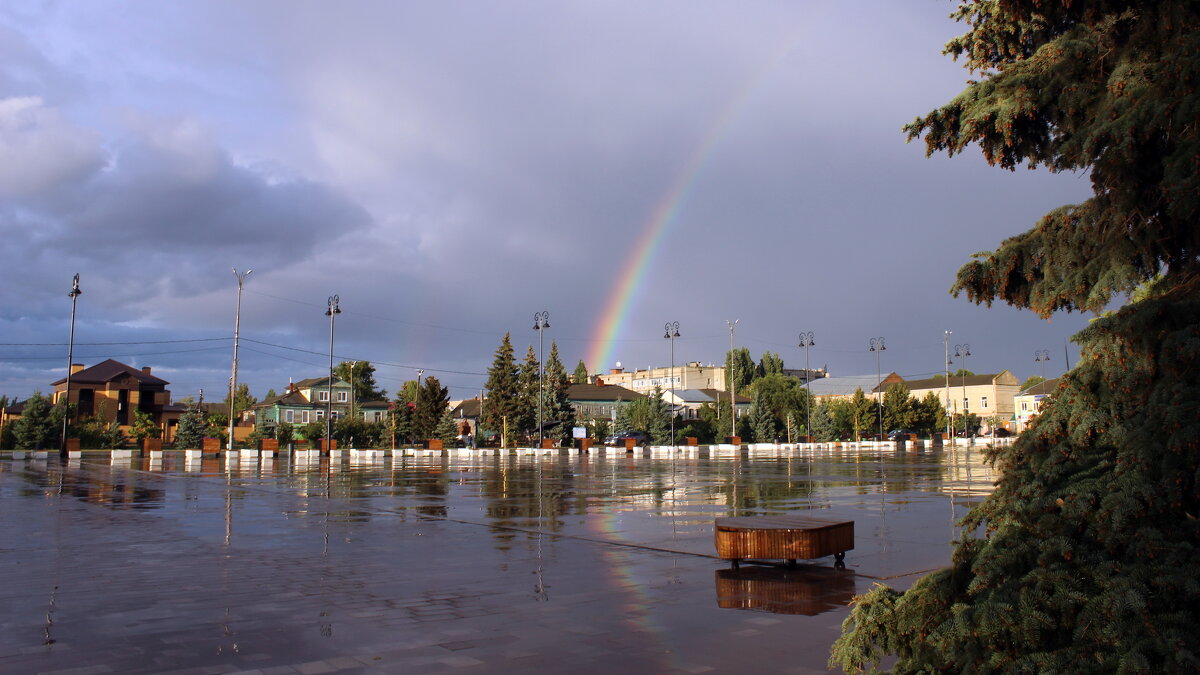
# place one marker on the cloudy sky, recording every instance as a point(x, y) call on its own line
point(449, 168)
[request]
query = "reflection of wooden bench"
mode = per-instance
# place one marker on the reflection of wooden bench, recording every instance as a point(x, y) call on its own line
point(782, 538)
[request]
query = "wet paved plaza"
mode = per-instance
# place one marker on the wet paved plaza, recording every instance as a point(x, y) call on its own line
point(474, 562)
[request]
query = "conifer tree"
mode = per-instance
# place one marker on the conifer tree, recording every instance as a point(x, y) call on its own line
point(189, 433)
point(558, 407)
point(502, 393)
point(762, 422)
point(447, 430)
point(429, 407)
point(528, 387)
point(581, 373)
point(34, 430)
point(1089, 557)
point(822, 422)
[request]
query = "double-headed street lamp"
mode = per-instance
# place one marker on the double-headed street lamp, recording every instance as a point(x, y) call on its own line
point(963, 351)
point(672, 332)
point(877, 346)
point(1040, 356)
point(806, 341)
point(332, 311)
point(541, 321)
point(74, 294)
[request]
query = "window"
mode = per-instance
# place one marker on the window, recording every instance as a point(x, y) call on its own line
point(966, 407)
point(289, 416)
point(323, 395)
point(1024, 406)
point(983, 402)
point(320, 415)
point(378, 416)
point(333, 414)
point(341, 397)
point(306, 417)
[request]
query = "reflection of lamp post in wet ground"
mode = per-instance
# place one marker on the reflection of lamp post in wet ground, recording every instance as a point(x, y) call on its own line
point(806, 341)
point(963, 351)
point(332, 311)
point(237, 324)
point(352, 366)
point(732, 384)
point(878, 348)
point(74, 295)
point(541, 321)
point(672, 328)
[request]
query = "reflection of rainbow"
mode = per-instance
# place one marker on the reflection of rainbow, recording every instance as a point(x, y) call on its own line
point(619, 302)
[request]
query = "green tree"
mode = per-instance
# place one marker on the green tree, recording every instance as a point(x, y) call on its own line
point(447, 430)
point(929, 416)
point(899, 408)
point(581, 373)
point(430, 406)
point(557, 404)
point(502, 391)
point(822, 422)
point(527, 394)
point(740, 369)
point(1088, 559)
point(35, 429)
point(285, 432)
point(143, 426)
point(962, 372)
point(362, 375)
point(764, 426)
point(189, 433)
point(1032, 381)
point(242, 401)
point(781, 395)
point(770, 364)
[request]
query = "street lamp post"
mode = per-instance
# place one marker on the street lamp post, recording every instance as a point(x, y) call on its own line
point(1042, 356)
point(237, 325)
point(806, 341)
point(74, 295)
point(672, 332)
point(946, 340)
point(541, 321)
point(877, 346)
point(963, 351)
point(352, 398)
point(332, 311)
point(417, 398)
point(732, 384)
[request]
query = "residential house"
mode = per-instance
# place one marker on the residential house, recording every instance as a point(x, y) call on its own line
point(112, 391)
point(687, 402)
point(599, 401)
point(1030, 401)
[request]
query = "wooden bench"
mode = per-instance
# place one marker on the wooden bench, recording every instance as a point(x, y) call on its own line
point(782, 538)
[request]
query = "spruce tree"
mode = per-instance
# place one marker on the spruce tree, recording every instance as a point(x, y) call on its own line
point(581, 373)
point(502, 392)
point(429, 408)
point(1088, 559)
point(527, 394)
point(189, 433)
point(447, 430)
point(558, 406)
point(762, 423)
point(822, 422)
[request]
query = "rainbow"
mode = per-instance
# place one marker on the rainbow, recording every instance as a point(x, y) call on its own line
point(610, 326)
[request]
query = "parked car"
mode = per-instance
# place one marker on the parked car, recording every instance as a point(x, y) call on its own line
point(1001, 432)
point(639, 438)
point(895, 434)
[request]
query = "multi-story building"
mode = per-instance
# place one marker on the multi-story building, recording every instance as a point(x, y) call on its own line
point(693, 375)
point(599, 401)
point(988, 395)
point(826, 389)
point(112, 391)
point(1030, 401)
point(305, 401)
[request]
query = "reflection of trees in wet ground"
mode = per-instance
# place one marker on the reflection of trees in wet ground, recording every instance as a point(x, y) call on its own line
point(120, 490)
point(530, 495)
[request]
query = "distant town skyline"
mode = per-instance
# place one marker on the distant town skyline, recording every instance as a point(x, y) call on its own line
point(449, 170)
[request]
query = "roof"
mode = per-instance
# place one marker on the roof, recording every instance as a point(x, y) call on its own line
point(374, 404)
point(314, 382)
point(467, 408)
point(707, 396)
point(288, 398)
point(109, 370)
point(955, 381)
point(1041, 388)
point(846, 385)
point(606, 392)
point(16, 408)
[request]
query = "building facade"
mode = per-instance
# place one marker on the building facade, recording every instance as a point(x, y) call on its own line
point(112, 391)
